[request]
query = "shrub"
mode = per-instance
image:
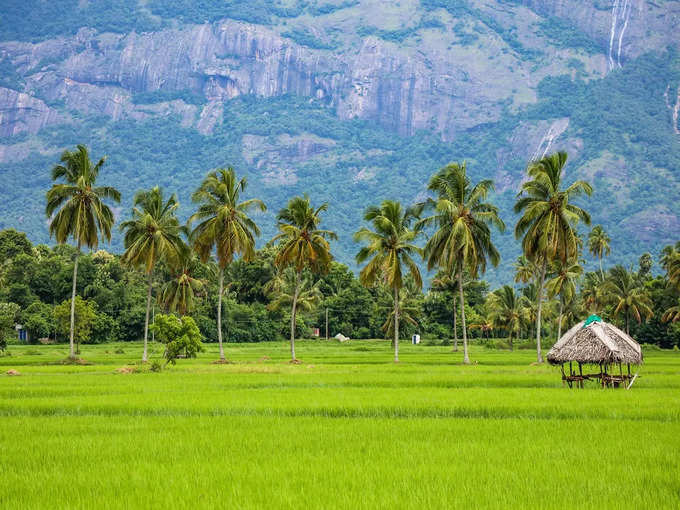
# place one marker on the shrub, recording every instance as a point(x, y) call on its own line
point(181, 336)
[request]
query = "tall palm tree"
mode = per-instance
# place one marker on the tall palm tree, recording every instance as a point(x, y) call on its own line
point(302, 246)
point(670, 261)
point(598, 244)
point(76, 209)
point(627, 295)
point(390, 248)
point(179, 292)
point(283, 286)
point(563, 285)
point(548, 222)
point(462, 241)
point(508, 310)
point(224, 226)
point(449, 283)
point(153, 234)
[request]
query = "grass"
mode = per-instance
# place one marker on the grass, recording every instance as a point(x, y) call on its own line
point(346, 429)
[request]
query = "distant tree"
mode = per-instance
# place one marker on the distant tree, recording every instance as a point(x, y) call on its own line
point(598, 244)
point(224, 226)
point(283, 287)
point(525, 270)
point(301, 245)
point(548, 223)
point(670, 261)
point(591, 292)
point(408, 309)
point(85, 313)
point(389, 251)
point(448, 283)
point(508, 310)
point(462, 241)
point(645, 262)
point(563, 286)
point(178, 294)
point(76, 209)
point(38, 320)
point(9, 313)
point(627, 295)
point(153, 234)
point(672, 314)
point(12, 243)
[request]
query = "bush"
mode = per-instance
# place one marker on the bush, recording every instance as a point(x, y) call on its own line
point(181, 336)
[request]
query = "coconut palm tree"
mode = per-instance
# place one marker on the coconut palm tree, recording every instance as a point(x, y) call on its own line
point(179, 293)
point(548, 223)
point(525, 270)
point(462, 241)
point(670, 261)
point(508, 310)
point(598, 244)
point(223, 226)
point(153, 234)
point(302, 245)
point(389, 251)
point(591, 292)
point(627, 295)
point(563, 285)
point(76, 209)
point(407, 311)
point(281, 289)
point(672, 314)
point(448, 283)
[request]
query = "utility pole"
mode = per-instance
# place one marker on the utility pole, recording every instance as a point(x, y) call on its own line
point(326, 323)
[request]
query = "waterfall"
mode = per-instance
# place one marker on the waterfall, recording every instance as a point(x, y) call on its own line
point(621, 10)
point(674, 109)
point(544, 144)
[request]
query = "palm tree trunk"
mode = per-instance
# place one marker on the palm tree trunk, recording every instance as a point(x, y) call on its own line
point(396, 325)
point(466, 356)
point(219, 313)
point(72, 353)
point(539, 356)
point(455, 326)
point(292, 316)
point(510, 339)
point(559, 322)
point(627, 330)
point(601, 271)
point(145, 356)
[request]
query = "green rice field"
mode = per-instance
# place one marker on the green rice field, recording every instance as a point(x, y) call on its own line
point(347, 428)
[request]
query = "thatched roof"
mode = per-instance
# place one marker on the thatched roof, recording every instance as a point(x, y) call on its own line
point(597, 342)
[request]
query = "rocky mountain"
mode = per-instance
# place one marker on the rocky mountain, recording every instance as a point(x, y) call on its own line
point(352, 101)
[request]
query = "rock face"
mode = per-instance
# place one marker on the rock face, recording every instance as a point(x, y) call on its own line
point(21, 112)
point(625, 28)
point(444, 86)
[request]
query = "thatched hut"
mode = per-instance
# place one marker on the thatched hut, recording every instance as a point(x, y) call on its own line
point(595, 342)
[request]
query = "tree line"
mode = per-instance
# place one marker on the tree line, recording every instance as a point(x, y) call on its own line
point(209, 266)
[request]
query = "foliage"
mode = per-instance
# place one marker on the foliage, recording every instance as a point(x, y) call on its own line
point(8, 316)
point(85, 315)
point(180, 335)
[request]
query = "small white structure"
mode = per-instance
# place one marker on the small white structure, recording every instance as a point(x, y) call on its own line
point(341, 338)
point(415, 339)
